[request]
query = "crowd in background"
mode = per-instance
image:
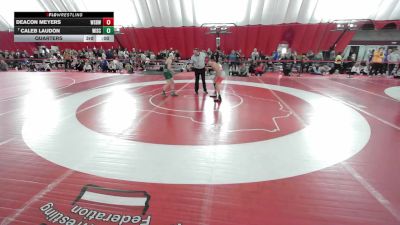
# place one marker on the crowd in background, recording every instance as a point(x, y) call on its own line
point(380, 61)
point(86, 59)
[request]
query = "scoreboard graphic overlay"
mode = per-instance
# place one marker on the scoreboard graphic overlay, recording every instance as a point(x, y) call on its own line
point(64, 26)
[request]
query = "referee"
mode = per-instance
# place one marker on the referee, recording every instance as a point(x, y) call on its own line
point(198, 63)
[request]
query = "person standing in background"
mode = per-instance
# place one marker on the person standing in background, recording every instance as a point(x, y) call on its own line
point(337, 64)
point(233, 60)
point(255, 55)
point(385, 61)
point(67, 59)
point(393, 60)
point(198, 63)
point(376, 62)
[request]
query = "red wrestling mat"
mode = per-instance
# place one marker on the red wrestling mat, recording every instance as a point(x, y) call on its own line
point(254, 115)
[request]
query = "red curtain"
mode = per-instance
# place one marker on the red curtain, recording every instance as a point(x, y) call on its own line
point(7, 43)
point(301, 38)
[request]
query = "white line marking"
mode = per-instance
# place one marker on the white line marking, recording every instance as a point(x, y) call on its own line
point(36, 197)
point(284, 103)
point(179, 110)
point(357, 108)
point(7, 141)
point(274, 119)
point(148, 113)
point(380, 84)
point(206, 208)
point(5, 113)
point(14, 110)
point(50, 187)
point(105, 85)
point(393, 92)
point(213, 124)
point(353, 103)
point(23, 95)
point(375, 193)
point(365, 112)
point(107, 101)
point(369, 92)
point(189, 167)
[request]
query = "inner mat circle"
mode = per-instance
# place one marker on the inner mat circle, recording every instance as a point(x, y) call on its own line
point(246, 114)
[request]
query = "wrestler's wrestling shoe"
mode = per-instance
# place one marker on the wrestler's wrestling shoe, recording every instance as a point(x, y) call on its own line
point(219, 99)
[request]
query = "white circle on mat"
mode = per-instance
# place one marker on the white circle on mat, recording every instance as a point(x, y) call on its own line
point(335, 133)
point(185, 110)
point(393, 92)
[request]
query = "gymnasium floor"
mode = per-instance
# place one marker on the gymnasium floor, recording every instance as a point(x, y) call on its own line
point(80, 148)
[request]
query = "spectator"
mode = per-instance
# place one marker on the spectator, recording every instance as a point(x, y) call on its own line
point(351, 59)
point(304, 66)
point(338, 64)
point(269, 65)
point(44, 67)
point(3, 65)
point(259, 70)
point(385, 61)
point(363, 68)
point(104, 65)
point(233, 60)
point(87, 67)
point(287, 64)
point(152, 56)
point(112, 67)
point(393, 60)
point(255, 55)
point(320, 70)
point(275, 56)
point(118, 65)
point(216, 55)
point(53, 61)
point(358, 69)
point(30, 63)
point(376, 62)
point(177, 55)
point(67, 59)
point(243, 70)
point(262, 55)
point(310, 55)
point(332, 54)
point(252, 68)
point(209, 52)
point(319, 56)
point(129, 68)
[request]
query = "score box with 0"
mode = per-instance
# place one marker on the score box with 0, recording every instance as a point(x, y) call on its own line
point(108, 30)
point(108, 21)
point(105, 30)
